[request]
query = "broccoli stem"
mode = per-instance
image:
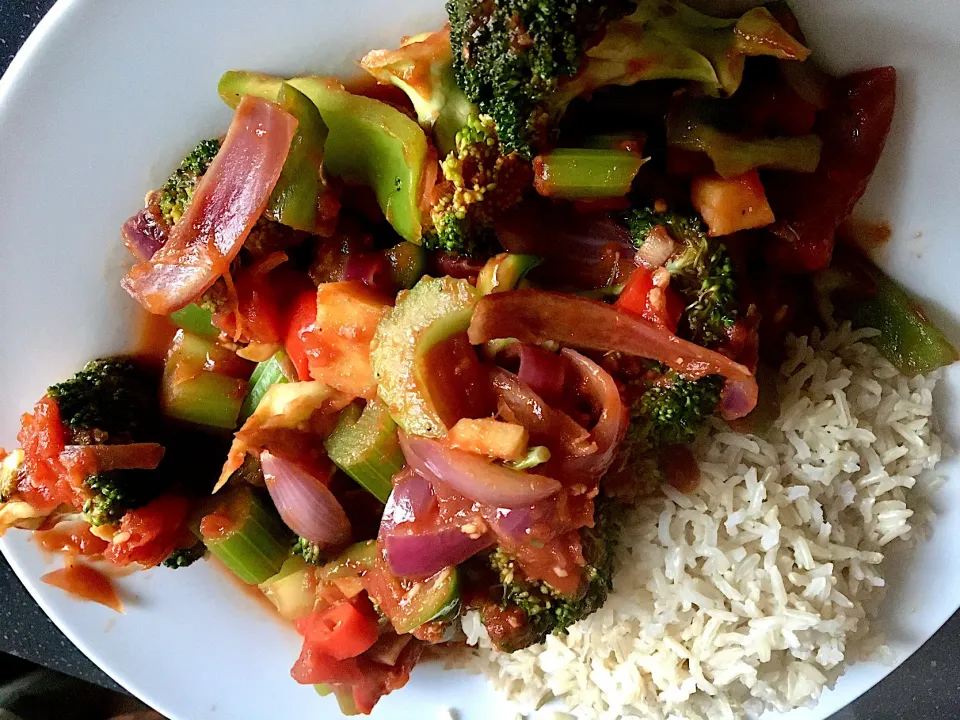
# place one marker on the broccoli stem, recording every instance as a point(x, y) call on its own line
point(585, 173)
point(247, 535)
point(196, 320)
point(278, 369)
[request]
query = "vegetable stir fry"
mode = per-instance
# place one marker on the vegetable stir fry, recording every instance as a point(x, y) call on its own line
point(428, 343)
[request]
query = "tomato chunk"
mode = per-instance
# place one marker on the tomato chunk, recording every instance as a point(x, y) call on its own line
point(301, 323)
point(660, 306)
point(338, 347)
point(731, 204)
point(343, 631)
point(45, 482)
point(148, 534)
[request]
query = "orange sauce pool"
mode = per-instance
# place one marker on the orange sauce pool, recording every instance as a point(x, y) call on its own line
point(153, 338)
point(85, 583)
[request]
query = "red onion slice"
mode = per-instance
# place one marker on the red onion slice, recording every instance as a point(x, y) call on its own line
point(547, 426)
point(543, 371)
point(412, 497)
point(422, 553)
point(104, 458)
point(143, 236)
point(306, 505)
point(476, 478)
point(656, 249)
point(535, 316)
point(610, 427)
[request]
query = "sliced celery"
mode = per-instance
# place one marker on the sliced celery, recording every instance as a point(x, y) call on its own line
point(585, 173)
point(293, 590)
point(536, 455)
point(207, 399)
point(278, 369)
point(251, 539)
point(367, 448)
point(195, 389)
point(346, 702)
point(323, 689)
point(195, 319)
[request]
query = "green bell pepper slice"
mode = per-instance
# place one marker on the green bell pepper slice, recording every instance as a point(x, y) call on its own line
point(374, 144)
point(296, 198)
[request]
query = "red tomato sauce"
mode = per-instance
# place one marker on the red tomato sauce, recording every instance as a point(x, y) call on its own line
point(85, 583)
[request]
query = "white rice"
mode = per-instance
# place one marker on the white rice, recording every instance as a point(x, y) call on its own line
point(756, 589)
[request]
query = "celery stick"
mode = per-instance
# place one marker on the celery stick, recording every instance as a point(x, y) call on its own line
point(323, 689)
point(247, 535)
point(195, 319)
point(207, 399)
point(278, 369)
point(368, 448)
point(196, 387)
point(585, 173)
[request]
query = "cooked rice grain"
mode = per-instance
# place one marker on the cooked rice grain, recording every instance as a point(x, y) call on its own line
point(753, 591)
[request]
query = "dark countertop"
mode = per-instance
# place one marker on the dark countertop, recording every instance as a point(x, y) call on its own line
point(927, 686)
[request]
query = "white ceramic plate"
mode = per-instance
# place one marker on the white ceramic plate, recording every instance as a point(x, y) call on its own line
point(104, 99)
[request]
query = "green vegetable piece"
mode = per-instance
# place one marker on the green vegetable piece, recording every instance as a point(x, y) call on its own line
point(184, 557)
point(573, 174)
point(537, 455)
point(348, 706)
point(689, 128)
point(375, 144)
point(367, 448)
point(278, 369)
point(396, 346)
point(701, 271)
point(355, 559)
point(293, 590)
point(296, 197)
point(666, 39)
point(200, 396)
point(177, 192)
point(110, 401)
point(423, 68)
point(323, 690)
point(196, 320)
point(548, 610)
point(480, 181)
point(251, 539)
point(408, 263)
point(505, 271)
point(438, 597)
point(856, 290)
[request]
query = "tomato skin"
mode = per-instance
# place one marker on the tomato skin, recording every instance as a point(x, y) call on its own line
point(636, 299)
point(343, 631)
point(302, 319)
point(315, 666)
point(45, 482)
point(258, 308)
point(150, 533)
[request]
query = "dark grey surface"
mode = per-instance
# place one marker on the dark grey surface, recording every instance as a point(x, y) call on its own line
point(927, 686)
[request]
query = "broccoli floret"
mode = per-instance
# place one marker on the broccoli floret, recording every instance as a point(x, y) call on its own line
point(509, 55)
point(112, 401)
point(177, 192)
point(480, 181)
point(672, 412)
point(311, 552)
point(523, 61)
point(701, 271)
point(185, 557)
point(549, 611)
